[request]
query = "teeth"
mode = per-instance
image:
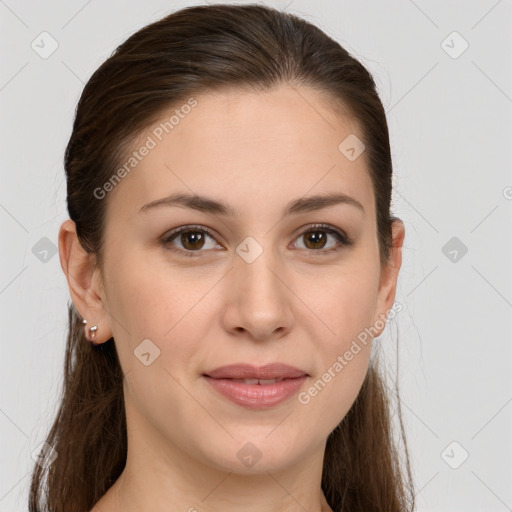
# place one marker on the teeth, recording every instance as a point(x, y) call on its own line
point(262, 382)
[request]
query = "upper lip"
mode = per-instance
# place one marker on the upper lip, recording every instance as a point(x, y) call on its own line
point(248, 371)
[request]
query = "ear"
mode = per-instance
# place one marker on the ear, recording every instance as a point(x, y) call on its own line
point(84, 282)
point(389, 277)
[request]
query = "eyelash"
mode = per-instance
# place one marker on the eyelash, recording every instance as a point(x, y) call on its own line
point(343, 239)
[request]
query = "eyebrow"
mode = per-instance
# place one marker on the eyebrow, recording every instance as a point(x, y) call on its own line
point(209, 205)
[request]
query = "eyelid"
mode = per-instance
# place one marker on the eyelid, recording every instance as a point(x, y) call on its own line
point(344, 240)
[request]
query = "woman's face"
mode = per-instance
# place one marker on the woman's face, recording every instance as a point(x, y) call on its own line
point(256, 284)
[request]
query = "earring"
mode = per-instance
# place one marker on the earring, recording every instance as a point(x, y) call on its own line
point(92, 332)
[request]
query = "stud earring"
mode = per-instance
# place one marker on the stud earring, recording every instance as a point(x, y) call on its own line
point(92, 332)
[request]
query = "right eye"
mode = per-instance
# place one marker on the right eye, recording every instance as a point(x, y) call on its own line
point(191, 238)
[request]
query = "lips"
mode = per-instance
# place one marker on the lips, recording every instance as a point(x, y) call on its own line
point(255, 387)
point(256, 374)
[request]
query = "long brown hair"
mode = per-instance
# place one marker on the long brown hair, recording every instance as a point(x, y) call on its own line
point(194, 50)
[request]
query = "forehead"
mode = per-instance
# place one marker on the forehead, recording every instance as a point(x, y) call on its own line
point(250, 148)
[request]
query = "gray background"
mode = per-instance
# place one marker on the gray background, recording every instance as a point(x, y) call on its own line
point(450, 120)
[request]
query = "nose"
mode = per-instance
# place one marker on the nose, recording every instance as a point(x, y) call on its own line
point(259, 302)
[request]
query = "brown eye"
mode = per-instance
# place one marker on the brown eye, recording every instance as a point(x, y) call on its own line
point(191, 240)
point(316, 239)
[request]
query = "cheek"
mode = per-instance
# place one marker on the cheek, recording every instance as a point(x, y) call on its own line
point(346, 306)
point(146, 305)
point(164, 305)
point(343, 366)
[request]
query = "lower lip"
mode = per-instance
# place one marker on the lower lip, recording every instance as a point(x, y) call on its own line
point(257, 396)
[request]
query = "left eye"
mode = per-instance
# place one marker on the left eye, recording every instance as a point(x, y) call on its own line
point(193, 239)
point(316, 237)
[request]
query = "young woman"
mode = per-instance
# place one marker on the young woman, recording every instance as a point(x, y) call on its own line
point(230, 256)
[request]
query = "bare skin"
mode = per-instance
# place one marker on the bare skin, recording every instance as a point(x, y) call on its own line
point(299, 302)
